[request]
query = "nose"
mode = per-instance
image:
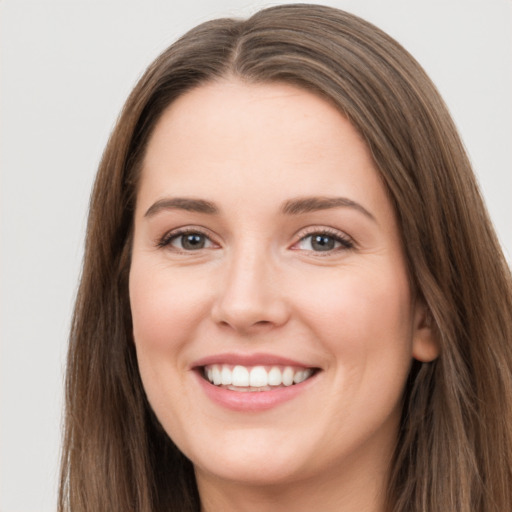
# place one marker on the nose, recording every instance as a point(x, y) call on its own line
point(250, 298)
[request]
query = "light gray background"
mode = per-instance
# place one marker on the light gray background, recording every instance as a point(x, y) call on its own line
point(66, 68)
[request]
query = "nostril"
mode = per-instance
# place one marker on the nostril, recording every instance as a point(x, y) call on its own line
point(249, 308)
point(247, 327)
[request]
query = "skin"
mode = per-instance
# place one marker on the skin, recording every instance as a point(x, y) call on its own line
point(258, 285)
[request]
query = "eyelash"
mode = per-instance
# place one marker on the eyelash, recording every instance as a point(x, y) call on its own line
point(168, 238)
point(346, 243)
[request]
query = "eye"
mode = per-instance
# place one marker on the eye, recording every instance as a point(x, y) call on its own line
point(323, 242)
point(187, 241)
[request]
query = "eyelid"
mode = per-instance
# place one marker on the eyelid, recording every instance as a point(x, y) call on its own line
point(165, 240)
point(346, 241)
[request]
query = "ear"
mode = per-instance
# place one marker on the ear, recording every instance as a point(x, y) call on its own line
point(425, 345)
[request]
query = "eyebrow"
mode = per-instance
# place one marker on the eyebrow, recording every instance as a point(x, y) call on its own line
point(296, 206)
point(182, 203)
point(313, 204)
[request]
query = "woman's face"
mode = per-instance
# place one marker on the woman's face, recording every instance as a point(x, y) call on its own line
point(266, 252)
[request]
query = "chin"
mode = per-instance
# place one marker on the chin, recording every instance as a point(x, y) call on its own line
point(254, 470)
point(252, 457)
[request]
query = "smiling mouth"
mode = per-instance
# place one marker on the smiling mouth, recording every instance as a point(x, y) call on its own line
point(255, 378)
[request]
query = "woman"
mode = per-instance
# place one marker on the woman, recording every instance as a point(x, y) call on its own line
point(292, 297)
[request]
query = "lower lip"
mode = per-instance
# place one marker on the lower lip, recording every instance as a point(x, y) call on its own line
point(252, 401)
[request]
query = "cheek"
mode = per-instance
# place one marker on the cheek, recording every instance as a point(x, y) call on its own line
point(164, 319)
point(360, 300)
point(364, 317)
point(370, 337)
point(164, 306)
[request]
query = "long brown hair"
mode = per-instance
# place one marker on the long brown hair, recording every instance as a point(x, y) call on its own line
point(454, 451)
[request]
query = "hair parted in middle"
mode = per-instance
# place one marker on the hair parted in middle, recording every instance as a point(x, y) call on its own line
point(454, 447)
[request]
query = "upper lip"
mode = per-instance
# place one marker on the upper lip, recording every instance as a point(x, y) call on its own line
point(256, 359)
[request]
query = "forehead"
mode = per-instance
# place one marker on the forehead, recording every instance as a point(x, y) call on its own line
point(270, 139)
point(244, 117)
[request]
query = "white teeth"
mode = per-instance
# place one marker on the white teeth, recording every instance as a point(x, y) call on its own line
point(226, 376)
point(298, 377)
point(288, 376)
point(275, 377)
point(240, 376)
point(217, 377)
point(301, 376)
point(256, 378)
